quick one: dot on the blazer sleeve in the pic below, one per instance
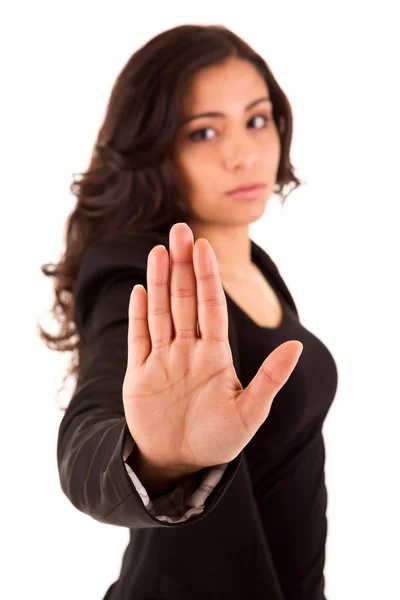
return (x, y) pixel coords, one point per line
(187, 498)
(93, 435)
(185, 501)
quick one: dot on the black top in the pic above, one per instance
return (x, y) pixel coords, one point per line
(263, 530)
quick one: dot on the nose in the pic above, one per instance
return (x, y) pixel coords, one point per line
(240, 151)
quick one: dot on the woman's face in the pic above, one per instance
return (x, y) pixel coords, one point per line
(215, 154)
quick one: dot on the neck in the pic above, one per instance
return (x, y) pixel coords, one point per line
(231, 245)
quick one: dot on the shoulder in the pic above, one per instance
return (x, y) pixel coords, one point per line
(271, 270)
(110, 260)
(127, 251)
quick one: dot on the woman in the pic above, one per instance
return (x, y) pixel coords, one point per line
(172, 430)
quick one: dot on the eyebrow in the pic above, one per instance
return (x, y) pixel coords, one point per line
(219, 114)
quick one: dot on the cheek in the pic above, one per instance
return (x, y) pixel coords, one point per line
(270, 151)
(276, 141)
(196, 170)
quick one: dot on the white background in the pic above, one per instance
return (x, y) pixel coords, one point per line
(335, 243)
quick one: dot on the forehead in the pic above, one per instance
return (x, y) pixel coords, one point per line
(232, 82)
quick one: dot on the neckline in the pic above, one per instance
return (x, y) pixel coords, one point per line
(256, 258)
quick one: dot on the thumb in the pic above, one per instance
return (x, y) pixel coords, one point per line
(255, 401)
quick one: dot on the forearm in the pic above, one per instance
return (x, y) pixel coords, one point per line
(88, 449)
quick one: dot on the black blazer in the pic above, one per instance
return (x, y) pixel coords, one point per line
(221, 553)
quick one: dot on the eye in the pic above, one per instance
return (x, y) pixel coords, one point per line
(265, 117)
(192, 136)
(196, 135)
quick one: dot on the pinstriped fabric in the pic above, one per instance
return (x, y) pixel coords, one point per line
(185, 501)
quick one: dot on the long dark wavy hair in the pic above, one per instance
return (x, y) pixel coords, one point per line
(130, 185)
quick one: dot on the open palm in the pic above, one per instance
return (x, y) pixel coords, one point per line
(184, 404)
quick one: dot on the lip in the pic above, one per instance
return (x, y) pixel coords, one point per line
(247, 193)
(252, 187)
